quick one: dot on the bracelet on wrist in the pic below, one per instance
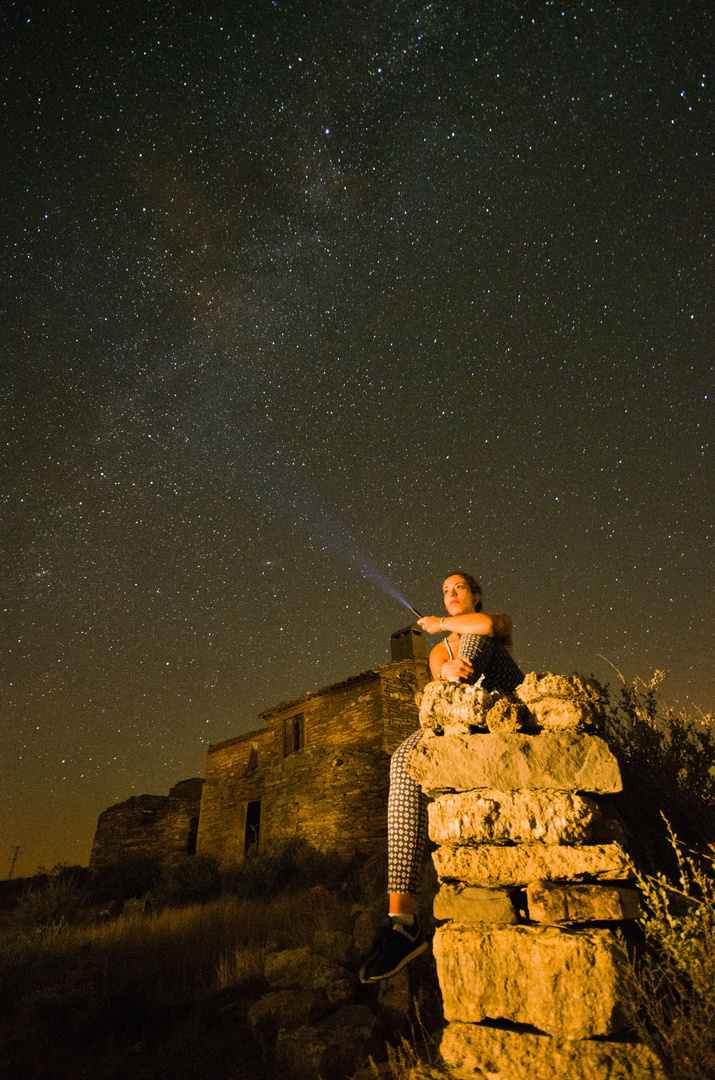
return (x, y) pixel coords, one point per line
(441, 622)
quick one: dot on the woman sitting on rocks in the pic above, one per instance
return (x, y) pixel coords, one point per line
(478, 647)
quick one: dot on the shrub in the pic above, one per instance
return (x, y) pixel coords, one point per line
(187, 879)
(289, 867)
(59, 900)
(673, 982)
(124, 881)
(667, 756)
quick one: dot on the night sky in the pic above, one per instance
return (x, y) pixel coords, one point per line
(302, 294)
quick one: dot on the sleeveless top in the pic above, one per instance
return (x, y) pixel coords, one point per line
(492, 662)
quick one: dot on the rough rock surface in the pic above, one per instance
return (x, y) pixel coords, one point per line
(560, 702)
(445, 705)
(474, 1051)
(508, 715)
(490, 865)
(541, 684)
(566, 761)
(283, 1009)
(552, 903)
(367, 922)
(553, 817)
(336, 946)
(333, 1048)
(520, 840)
(468, 904)
(566, 984)
(302, 968)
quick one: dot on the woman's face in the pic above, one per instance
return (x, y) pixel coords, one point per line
(458, 597)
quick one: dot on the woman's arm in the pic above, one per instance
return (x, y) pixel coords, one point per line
(455, 670)
(476, 622)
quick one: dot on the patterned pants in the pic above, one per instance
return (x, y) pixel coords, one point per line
(406, 824)
(406, 804)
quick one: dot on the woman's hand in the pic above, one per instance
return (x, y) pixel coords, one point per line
(456, 670)
(431, 624)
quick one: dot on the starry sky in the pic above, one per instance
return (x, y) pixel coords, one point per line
(304, 301)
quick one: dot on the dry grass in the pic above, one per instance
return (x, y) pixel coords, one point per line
(672, 986)
(176, 951)
(403, 1064)
(145, 979)
(414, 1058)
(240, 967)
(666, 757)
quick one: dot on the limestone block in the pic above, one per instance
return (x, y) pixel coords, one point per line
(564, 760)
(468, 904)
(445, 705)
(490, 865)
(539, 684)
(552, 903)
(553, 817)
(560, 702)
(508, 716)
(564, 983)
(472, 1051)
(333, 1048)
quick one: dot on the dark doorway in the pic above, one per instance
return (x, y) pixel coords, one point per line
(193, 833)
(253, 824)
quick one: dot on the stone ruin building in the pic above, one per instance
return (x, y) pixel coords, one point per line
(149, 828)
(318, 768)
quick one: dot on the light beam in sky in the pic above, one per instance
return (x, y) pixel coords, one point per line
(257, 461)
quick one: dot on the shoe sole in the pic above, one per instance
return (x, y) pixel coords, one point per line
(388, 974)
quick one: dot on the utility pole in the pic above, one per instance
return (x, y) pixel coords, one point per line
(12, 864)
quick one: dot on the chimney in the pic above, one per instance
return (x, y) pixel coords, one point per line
(408, 644)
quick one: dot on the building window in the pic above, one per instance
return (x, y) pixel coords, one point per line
(293, 734)
(253, 825)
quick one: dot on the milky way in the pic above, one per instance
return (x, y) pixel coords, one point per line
(308, 299)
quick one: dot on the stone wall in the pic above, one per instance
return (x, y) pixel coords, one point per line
(235, 774)
(148, 827)
(535, 880)
(330, 789)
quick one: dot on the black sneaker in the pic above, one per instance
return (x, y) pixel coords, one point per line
(395, 945)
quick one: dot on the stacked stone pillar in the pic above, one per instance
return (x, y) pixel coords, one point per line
(534, 882)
